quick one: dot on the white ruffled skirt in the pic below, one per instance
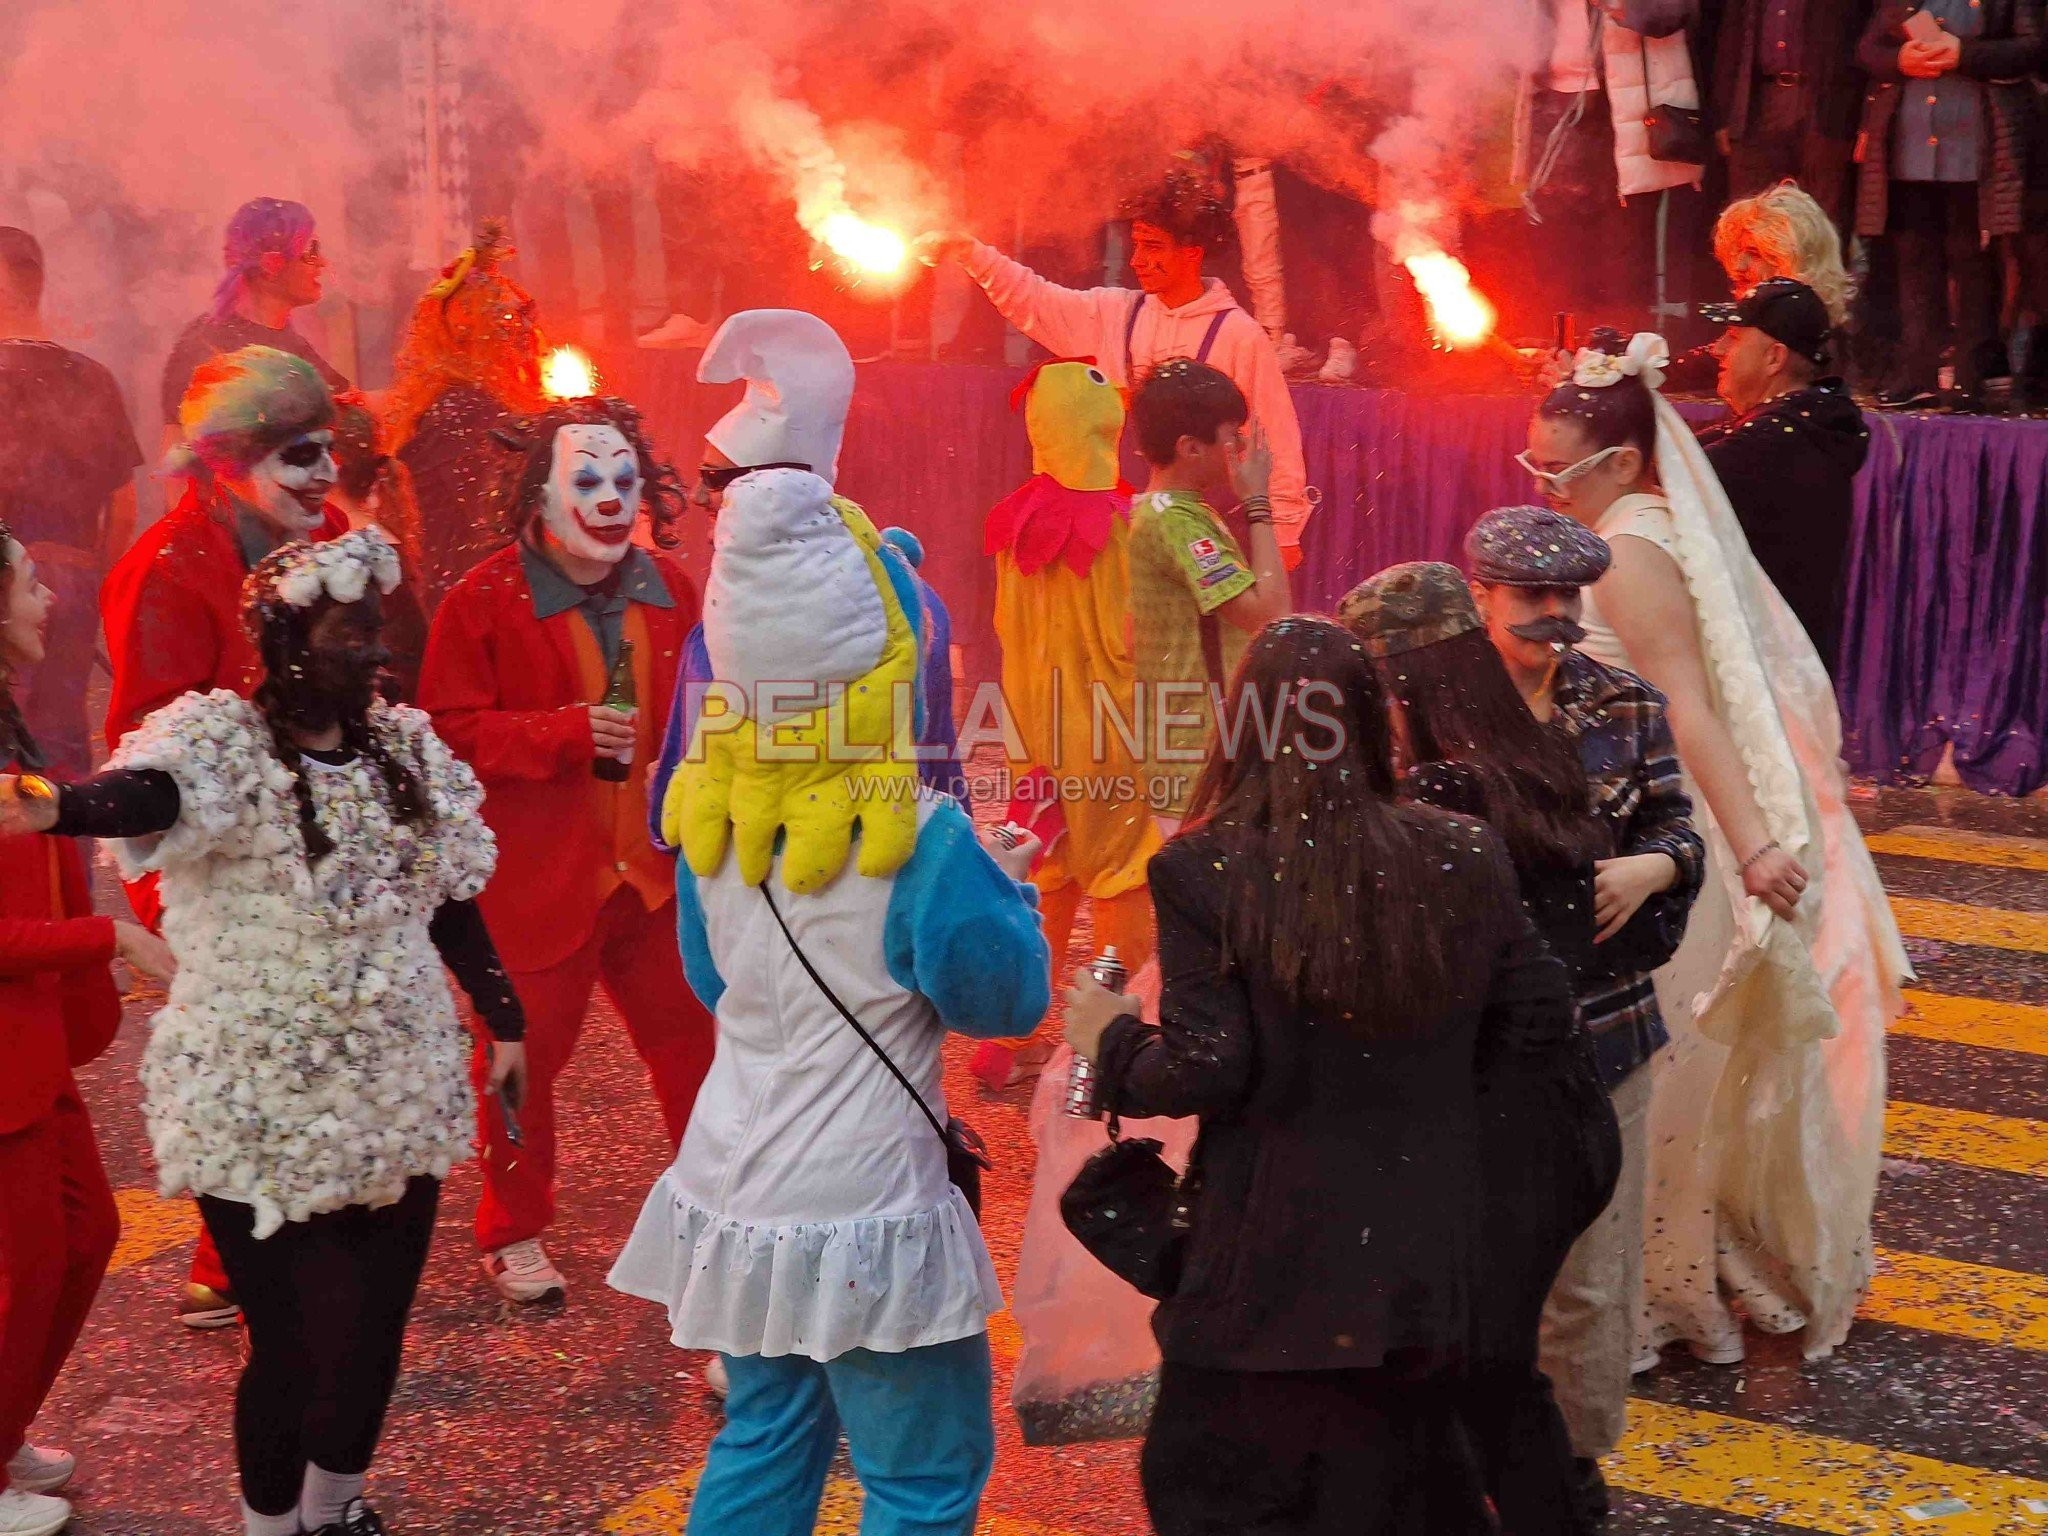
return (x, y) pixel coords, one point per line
(817, 1289)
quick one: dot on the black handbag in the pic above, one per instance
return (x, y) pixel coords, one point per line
(966, 1153)
(1132, 1213)
(1677, 134)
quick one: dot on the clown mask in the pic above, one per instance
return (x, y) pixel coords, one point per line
(288, 489)
(592, 497)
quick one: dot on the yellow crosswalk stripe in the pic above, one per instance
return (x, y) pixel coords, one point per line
(1963, 1301)
(1958, 847)
(1951, 922)
(663, 1511)
(1999, 1142)
(1974, 1021)
(1815, 1482)
(149, 1225)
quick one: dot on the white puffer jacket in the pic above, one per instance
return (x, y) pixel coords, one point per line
(1643, 72)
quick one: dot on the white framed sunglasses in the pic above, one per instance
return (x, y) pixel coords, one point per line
(1555, 480)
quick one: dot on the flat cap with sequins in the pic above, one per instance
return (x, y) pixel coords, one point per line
(1535, 547)
(1406, 607)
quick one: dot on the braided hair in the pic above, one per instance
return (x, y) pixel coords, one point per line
(662, 494)
(283, 636)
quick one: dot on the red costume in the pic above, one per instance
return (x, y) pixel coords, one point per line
(58, 1009)
(580, 894)
(172, 608)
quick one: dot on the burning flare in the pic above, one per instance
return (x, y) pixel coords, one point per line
(1461, 316)
(568, 374)
(868, 249)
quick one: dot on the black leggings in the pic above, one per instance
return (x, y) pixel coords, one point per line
(326, 1302)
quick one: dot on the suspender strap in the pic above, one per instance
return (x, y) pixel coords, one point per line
(1131, 337)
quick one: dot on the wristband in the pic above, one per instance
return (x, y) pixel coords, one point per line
(1259, 519)
(1770, 847)
(1252, 505)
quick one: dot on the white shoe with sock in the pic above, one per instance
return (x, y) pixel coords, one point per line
(32, 1514)
(523, 1272)
(286, 1524)
(325, 1496)
(38, 1469)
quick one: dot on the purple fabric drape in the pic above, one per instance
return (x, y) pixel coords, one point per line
(1946, 636)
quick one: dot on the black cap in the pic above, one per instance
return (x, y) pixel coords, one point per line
(1784, 309)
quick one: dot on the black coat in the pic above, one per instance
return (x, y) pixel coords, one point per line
(1789, 468)
(1831, 95)
(1339, 1207)
(2003, 60)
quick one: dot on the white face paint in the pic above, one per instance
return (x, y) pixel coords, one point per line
(289, 489)
(592, 497)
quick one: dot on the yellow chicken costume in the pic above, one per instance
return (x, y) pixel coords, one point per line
(1063, 616)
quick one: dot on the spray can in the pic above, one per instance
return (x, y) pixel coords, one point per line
(1108, 970)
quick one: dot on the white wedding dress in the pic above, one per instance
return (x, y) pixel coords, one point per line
(1767, 1113)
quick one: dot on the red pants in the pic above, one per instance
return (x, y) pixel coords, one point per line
(633, 952)
(58, 1227)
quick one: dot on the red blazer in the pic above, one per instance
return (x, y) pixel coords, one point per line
(505, 692)
(172, 607)
(58, 1005)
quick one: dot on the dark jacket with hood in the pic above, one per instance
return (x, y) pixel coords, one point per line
(1789, 468)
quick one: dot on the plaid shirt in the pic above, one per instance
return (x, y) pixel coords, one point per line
(1617, 722)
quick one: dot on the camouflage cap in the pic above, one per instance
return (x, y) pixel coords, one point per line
(1406, 607)
(1535, 547)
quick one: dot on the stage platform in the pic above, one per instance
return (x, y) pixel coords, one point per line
(1946, 644)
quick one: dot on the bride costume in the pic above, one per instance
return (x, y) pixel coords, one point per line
(1767, 1114)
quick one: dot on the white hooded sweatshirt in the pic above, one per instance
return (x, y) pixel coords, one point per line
(1094, 322)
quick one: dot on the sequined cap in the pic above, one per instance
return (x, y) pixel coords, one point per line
(1535, 547)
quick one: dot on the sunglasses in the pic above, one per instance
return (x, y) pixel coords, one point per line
(1555, 480)
(716, 477)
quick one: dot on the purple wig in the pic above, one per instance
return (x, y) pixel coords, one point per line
(260, 226)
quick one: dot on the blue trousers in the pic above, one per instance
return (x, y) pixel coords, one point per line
(918, 1424)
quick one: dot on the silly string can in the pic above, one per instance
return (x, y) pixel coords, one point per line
(1108, 970)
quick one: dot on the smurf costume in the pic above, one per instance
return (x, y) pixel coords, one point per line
(799, 379)
(807, 1229)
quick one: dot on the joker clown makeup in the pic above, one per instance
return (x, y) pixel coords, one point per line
(592, 498)
(288, 489)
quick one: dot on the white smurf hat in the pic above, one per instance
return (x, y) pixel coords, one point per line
(799, 379)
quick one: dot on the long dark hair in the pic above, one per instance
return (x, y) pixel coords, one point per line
(16, 745)
(1460, 706)
(1348, 919)
(284, 641)
(662, 492)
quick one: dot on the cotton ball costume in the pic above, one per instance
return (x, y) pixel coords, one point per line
(807, 1229)
(1063, 616)
(309, 1057)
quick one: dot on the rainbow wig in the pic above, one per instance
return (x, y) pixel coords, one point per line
(242, 406)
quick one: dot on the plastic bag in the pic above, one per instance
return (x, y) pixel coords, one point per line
(1089, 1368)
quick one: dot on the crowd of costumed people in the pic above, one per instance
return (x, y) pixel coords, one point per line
(1491, 988)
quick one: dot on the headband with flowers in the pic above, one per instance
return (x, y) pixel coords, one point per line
(1646, 358)
(299, 575)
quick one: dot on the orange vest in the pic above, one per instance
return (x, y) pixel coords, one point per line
(623, 807)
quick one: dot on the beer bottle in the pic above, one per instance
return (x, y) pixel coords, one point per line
(619, 694)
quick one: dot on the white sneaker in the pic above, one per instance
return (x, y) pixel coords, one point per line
(37, 1469)
(523, 1273)
(32, 1514)
(1342, 366)
(1295, 359)
(678, 333)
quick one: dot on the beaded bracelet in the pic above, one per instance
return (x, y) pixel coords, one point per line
(1770, 847)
